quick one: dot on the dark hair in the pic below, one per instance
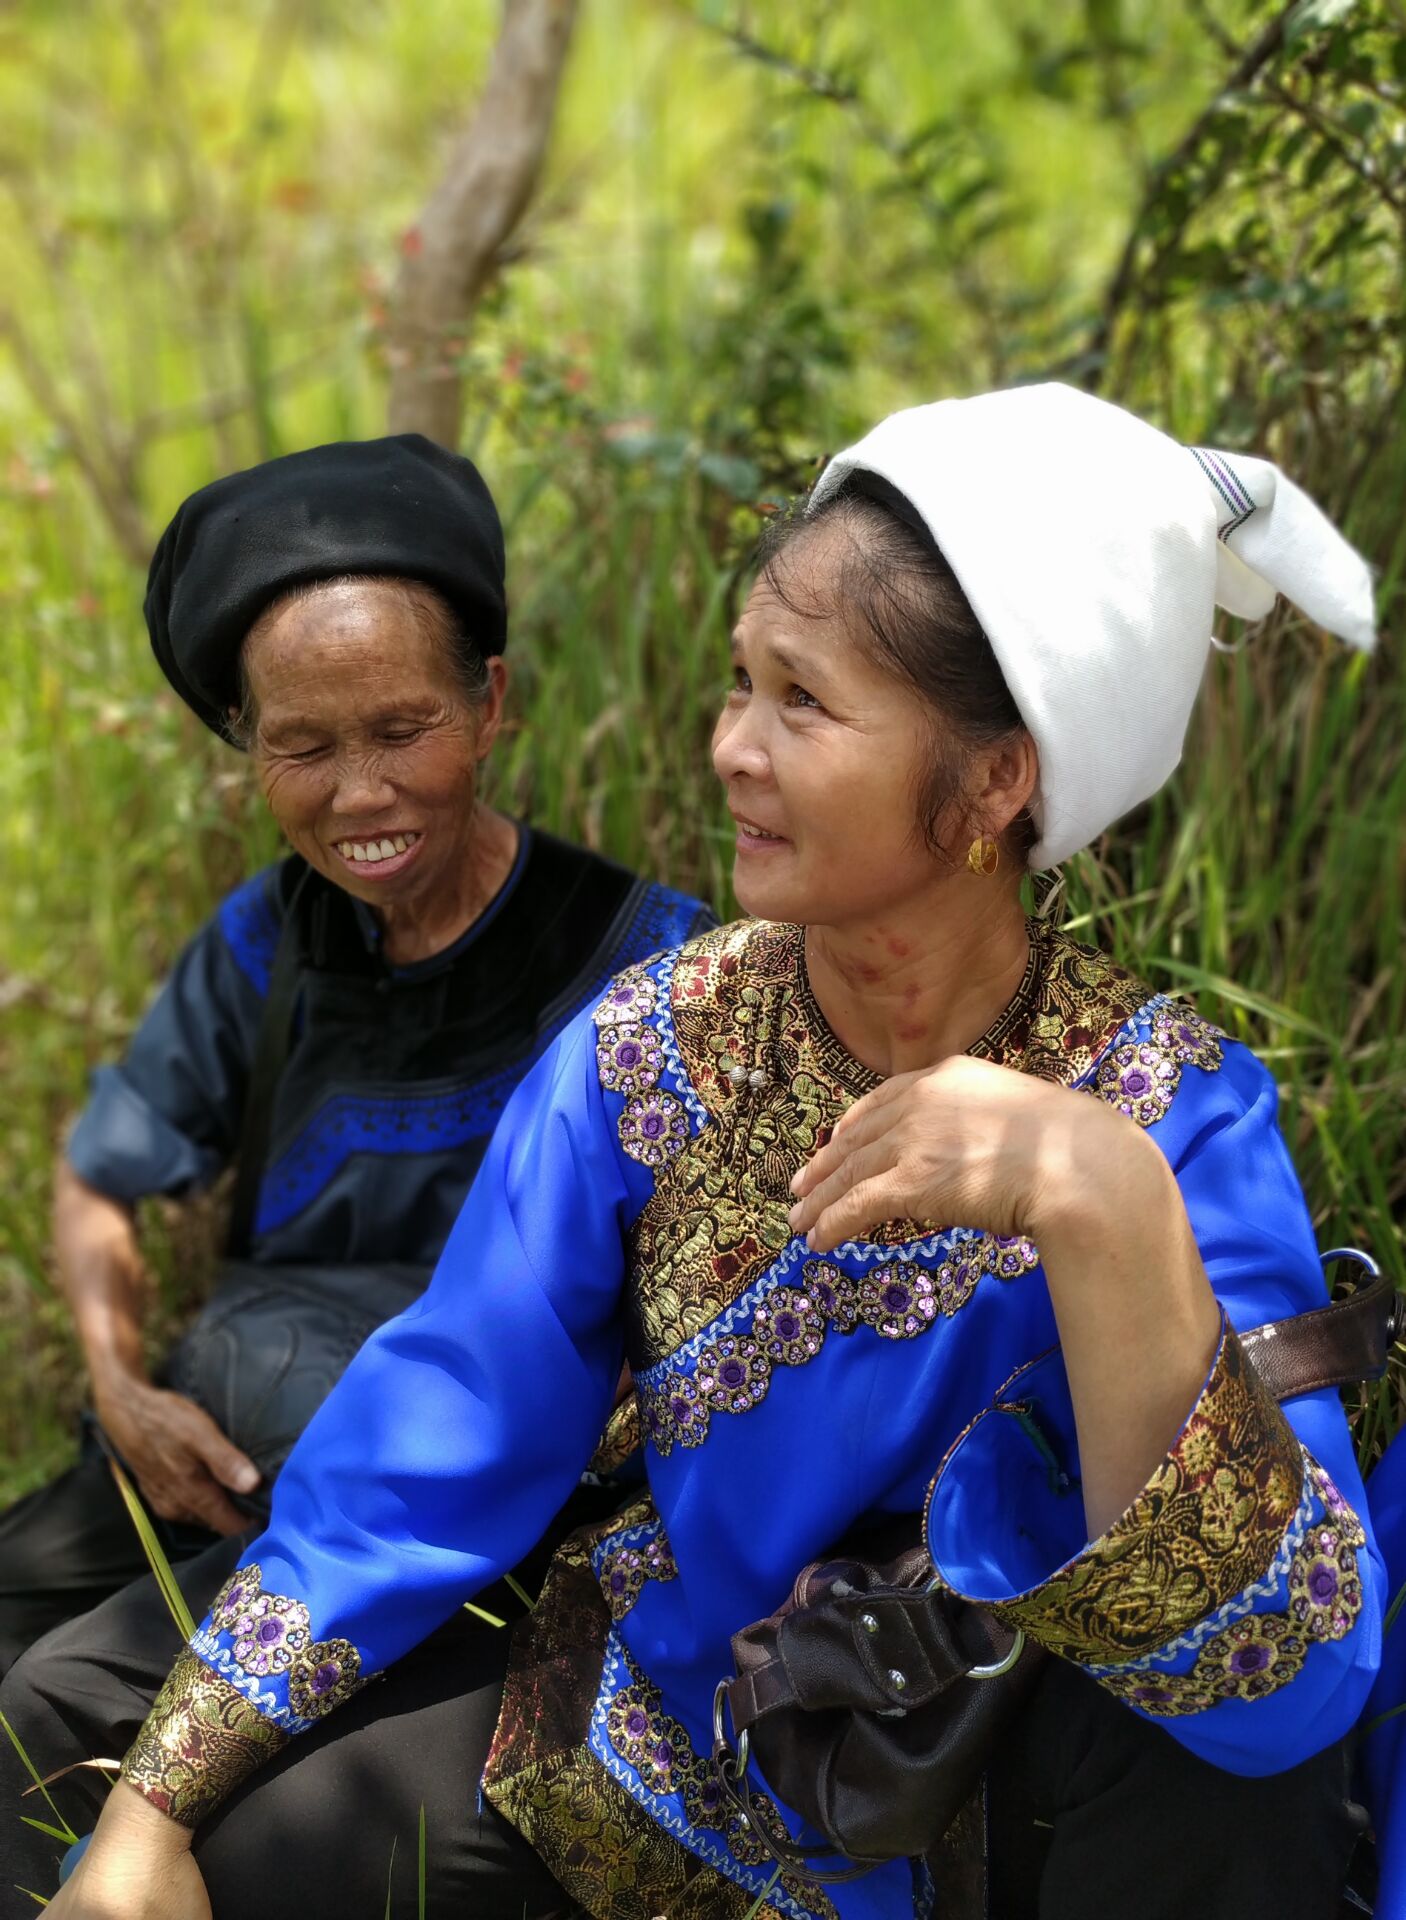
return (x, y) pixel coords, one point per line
(903, 602)
(431, 612)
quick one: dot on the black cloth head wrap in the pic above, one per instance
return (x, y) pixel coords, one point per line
(400, 506)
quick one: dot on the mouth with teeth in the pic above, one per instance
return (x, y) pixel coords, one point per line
(386, 854)
(754, 839)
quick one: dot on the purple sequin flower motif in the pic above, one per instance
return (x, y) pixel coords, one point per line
(1188, 1039)
(789, 1327)
(625, 1569)
(632, 997)
(1325, 1590)
(268, 1633)
(733, 1374)
(898, 1300)
(648, 1739)
(1338, 1512)
(323, 1677)
(653, 1128)
(1255, 1657)
(1010, 1257)
(629, 1058)
(1139, 1079)
(833, 1294)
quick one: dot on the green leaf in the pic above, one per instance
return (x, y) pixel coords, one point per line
(42, 1826)
(732, 472)
(1316, 16)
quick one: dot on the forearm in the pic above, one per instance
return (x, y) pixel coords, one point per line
(102, 1275)
(1138, 1322)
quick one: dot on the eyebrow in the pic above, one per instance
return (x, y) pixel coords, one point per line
(786, 660)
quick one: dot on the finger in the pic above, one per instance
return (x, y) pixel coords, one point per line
(853, 1214)
(871, 1125)
(877, 1098)
(219, 1454)
(864, 1163)
(207, 1503)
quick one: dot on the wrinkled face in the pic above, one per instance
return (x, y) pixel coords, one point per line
(822, 754)
(365, 745)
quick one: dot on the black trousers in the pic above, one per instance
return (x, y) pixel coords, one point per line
(69, 1545)
(1091, 1812)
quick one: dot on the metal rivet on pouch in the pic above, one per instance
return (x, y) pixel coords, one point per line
(898, 1681)
(869, 1623)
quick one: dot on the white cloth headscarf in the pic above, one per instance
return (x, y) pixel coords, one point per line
(1094, 551)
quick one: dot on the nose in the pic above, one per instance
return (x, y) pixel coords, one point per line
(739, 746)
(362, 787)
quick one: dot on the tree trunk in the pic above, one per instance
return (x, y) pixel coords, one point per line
(449, 256)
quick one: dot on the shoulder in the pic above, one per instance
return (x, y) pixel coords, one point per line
(250, 919)
(1138, 1048)
(706, 969)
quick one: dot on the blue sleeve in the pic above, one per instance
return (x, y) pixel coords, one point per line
(1238, 1601)
(168, 1118)
(461, 1426)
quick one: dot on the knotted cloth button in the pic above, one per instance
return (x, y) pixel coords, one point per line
(756, 1078)
(737, 1075)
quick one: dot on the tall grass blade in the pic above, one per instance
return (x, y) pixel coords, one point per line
(151, 1547)
(761, 1898)
(68, 1835)
(422, 1864)
(520, 1590)
(482, 1613)
(390, 1876)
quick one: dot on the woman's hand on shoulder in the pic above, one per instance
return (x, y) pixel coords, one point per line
(137, 1866)
(965, 1143)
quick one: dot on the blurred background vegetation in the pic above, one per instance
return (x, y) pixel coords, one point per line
(762, 223)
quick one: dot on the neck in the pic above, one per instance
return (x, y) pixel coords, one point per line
(427, 923)
(907, 989)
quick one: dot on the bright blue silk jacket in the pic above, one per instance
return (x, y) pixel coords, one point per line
(633, 1202)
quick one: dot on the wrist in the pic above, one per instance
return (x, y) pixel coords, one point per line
(1104, 1182)
(129, 1816)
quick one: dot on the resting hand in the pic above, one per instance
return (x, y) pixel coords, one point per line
(964, 1143)
(182, 1462)
(137, 1866)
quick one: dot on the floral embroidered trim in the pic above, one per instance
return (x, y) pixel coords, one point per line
(625, 1564)
(629, 1057)
(1208, 1523)
(631, 998)
(1336, 1509)
(656, 1749)
(1264, 1652)
(1268, 1587)
(1253, 1658)
(1140, 1077)
(653, 1128)
(256, 1636)
(200, 1741)
(898, 1300)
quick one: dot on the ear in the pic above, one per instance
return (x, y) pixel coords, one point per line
(488, 714)
(1003, 780)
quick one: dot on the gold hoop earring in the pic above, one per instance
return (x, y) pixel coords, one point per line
(983, 856)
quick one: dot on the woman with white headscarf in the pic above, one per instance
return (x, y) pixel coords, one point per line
(845, 1181)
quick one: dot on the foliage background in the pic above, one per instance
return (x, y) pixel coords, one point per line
(763, 225)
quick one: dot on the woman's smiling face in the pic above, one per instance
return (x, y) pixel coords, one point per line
(366, 744)
(822, 754)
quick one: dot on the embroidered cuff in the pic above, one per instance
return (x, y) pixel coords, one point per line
(198, 1743)
(1004, 1509)
(262, 1643)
